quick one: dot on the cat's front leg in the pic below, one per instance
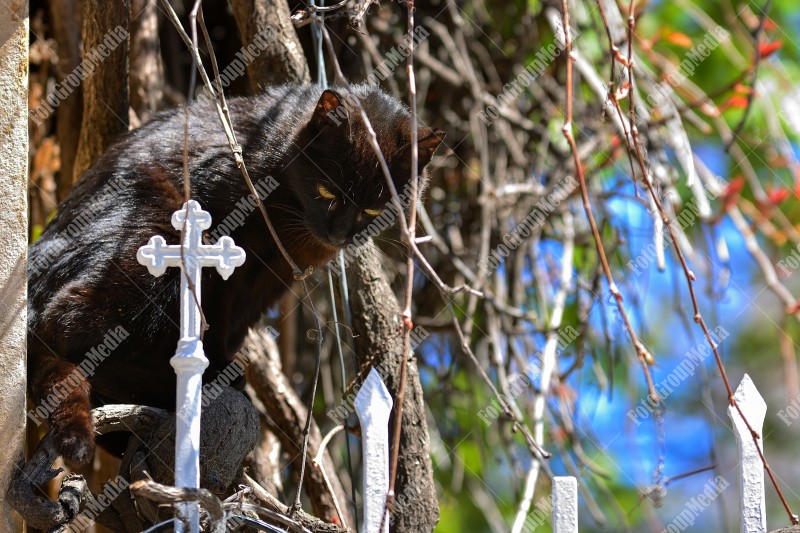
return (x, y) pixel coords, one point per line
(64, 393)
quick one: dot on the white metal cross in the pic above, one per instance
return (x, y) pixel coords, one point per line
(373, 407)
(189, 361)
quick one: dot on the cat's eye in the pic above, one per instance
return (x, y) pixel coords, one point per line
(372, 212)
(325, 193)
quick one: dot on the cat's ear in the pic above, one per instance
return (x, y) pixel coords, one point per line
(428, 140)
(330, 112)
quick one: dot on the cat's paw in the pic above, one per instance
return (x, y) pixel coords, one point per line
(75, 442)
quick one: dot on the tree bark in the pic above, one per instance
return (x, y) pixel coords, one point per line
(65, 17)
(282, 61)
(146, 82)
(287, 412)
(378, 331)
(105, 93)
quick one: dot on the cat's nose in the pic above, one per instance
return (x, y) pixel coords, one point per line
(336, 238)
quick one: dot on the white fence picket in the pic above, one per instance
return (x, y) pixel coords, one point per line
(565, 504)
(373, 407)
(751, 469)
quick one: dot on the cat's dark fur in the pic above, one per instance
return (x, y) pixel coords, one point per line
(83, 287)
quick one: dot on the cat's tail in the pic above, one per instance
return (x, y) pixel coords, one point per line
(62, 396)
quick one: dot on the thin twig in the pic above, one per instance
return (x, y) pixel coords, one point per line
(757, 56)
(644, 356)
(409, 236)
(690, 277)
(445, 290)
(549, 366)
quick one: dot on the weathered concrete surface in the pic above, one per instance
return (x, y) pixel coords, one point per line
(13, 242)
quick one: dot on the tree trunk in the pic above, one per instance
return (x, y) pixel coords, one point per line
(378, 332)
(146, 82)
(105, 92)
(282, 61)
(65, 17)
(286, 410)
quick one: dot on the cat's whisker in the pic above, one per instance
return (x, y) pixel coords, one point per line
(397, 244)
(295, 237)
(341, 170)
(342, 179)
(287, 209)
(295, 224)
(381, 256)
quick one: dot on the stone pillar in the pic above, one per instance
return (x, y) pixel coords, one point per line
(13, 243)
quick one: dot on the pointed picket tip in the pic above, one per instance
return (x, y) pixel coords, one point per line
(373, 395)
(750, 402)
(373, 406)
(752, 501)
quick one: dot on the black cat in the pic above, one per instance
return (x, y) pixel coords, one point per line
(86, 286)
